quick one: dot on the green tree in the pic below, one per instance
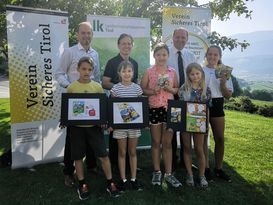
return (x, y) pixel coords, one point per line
(262, 95)
(247, 92)
(77, 9)
(237, 90)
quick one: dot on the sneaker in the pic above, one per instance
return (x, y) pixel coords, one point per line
(112, 190)
(83, 192)
(203, 182)
(172, 180)
(122, 186)
(69, 180)
(222, 175)
(189, 180)
(208, 174)
(136, 185)
(156, 180)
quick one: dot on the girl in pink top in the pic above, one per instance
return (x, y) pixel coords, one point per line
(160, 83)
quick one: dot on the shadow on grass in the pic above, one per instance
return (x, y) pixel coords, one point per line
(5, 139)
(44, 185)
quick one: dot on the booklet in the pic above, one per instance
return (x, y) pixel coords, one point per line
(222, 70)
(128, 112)
(163, 79)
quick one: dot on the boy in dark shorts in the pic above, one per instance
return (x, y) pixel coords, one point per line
(88, 134)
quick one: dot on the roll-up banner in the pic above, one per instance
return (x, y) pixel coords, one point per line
(36, 39)
(196, 20)
(107, 29)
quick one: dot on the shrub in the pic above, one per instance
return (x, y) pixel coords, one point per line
(247, 105)
(266, 111)
(242, 103)
(232, 104)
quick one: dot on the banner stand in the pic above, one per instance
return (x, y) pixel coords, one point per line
(36, 40)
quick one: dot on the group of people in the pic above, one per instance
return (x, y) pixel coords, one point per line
(175, 75)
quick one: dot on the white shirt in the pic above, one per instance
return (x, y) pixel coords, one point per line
(67, 71)
(187, 56)
(214, 84)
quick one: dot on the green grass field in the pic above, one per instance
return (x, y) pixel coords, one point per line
(5, 142)
(261, 85)
(248, 158)
(262, 103)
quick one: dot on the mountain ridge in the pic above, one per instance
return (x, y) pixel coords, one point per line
(256, 62)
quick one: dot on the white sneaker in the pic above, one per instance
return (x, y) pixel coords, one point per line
(189, 180)
(203, 182)
(172, 180)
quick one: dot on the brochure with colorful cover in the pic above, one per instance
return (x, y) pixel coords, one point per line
(127, 112)
(196, 118)
(78, 108)
(163, 79)
(176, 114)
(222, 70)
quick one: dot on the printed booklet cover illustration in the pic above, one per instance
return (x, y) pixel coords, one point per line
(128, 112)
(163, 79)
(83, 109)
(196, 118)
(176, 114)
(223, 70)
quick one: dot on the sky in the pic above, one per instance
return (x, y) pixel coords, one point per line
(261, 19)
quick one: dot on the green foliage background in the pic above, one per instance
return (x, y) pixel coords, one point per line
(78, 9)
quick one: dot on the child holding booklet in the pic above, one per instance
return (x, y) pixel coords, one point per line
(195, 90)
(160, 84)
(93, 135)
(221, 87)
(127, 137)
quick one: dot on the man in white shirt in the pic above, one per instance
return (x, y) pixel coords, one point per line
(178, 50)
(66, 74)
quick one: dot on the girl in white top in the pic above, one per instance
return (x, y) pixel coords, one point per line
(220, 88)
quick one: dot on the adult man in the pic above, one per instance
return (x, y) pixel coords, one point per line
(179, 59)
(66, 74)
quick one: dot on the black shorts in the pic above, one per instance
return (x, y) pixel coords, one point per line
(80, 136)
(157, 115)
(217, 108)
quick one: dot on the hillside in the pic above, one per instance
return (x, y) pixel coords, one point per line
(255, 64)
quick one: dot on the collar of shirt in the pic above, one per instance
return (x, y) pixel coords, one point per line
(120, 57)
(175, 50)
(80, 47)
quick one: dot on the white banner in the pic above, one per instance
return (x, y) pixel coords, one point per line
(36, 39)
(196, 20)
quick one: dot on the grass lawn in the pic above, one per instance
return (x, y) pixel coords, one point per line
(248, 158)
(262, 103)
